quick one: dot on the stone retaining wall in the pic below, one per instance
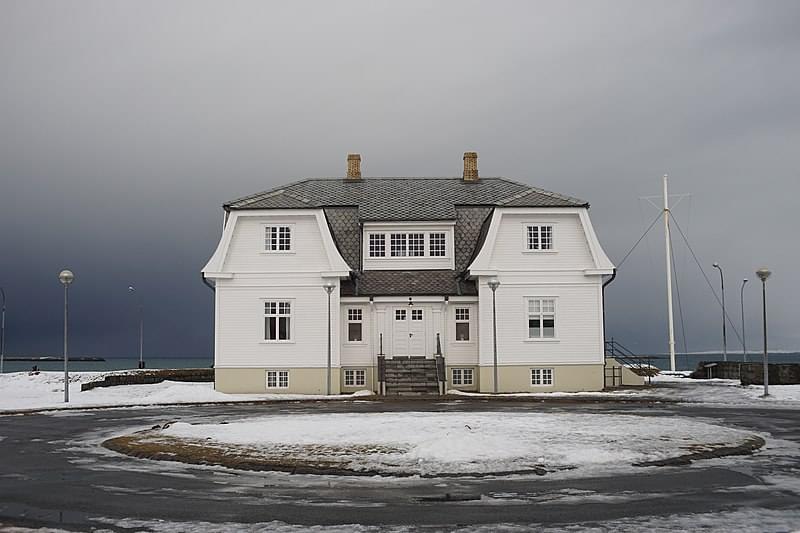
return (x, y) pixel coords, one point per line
(749, 373)
(141, 377)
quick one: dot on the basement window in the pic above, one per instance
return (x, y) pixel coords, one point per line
(355, 378)
(462, 376)
(277, 379)
(542, 377)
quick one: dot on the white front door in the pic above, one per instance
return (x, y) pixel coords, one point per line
(408, 330)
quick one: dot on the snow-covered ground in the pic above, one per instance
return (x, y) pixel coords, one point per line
(463, 442)
(24, 391)
(45, 390)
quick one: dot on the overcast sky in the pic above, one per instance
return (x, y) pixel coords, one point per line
(125, 125)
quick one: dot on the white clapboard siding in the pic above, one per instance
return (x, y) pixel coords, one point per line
(246, 250)
(460, 352)
(578, 324)
(571, 250)
(240, 325)
(357, 353)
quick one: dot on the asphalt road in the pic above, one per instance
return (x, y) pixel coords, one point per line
(54, 473)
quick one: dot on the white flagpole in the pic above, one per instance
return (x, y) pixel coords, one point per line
(669, 277)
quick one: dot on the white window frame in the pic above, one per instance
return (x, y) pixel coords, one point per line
(402, 245)
(278, 315)
(379, 245)
(279, 373)
(462, 320)
(355, 373)
(415, 244)
(458, 376)
(551, 250)
(439, 245)
(351, 320)
(541, 314)
(539, 377)
(267, 226)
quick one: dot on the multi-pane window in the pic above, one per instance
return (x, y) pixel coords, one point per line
(397, 243)
(354, 325)
(399, 314)
(436, 245)
(540, 237)
(541, 318)
(416, 314)
(462, 323)
(355, 378)
(462, 376)
(277, 379)
(541, 376)
(416, 244)
(277, 238)
(377, 245)
(277, 320)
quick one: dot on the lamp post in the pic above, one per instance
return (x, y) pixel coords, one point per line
(2, 330)
(132, 290)
(763, 273)
(329, 286)
(66, 277)
(744, 343)
(724, 332)
(493, 284)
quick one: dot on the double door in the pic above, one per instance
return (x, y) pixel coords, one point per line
(408, 330)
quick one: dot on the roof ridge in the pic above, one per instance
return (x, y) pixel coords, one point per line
(532, 189)
(269, 193)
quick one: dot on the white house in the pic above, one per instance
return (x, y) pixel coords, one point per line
(409, 263)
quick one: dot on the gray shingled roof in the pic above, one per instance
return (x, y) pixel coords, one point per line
(404, 199)
(347, 203)
(408, 283)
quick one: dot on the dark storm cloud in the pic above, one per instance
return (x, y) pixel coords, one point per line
(124, 126)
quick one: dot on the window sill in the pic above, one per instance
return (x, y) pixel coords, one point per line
(277, 252)
(355, 343)
(463, 342)
(539, 251)
(277, 388)
(542, 340)
(541, 386)
(277, 342)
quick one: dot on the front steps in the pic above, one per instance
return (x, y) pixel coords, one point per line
(411, 376)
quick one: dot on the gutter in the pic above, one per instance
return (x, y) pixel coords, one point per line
(605, 284)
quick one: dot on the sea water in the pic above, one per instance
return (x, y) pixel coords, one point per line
(110, 364)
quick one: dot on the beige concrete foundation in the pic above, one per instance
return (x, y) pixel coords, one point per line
(476, 378)
(566, 378)
(254, 381)
(371, 376)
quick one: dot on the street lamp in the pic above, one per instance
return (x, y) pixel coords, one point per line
(744, 337)
(329, 286)
(132, 290)
(763, 273)
(66, 277)
(493, 284)
(724, 333)
(2, 330)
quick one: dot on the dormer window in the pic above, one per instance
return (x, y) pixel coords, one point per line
(436, 245)
(377, 245)
(398, 244)
(539, 237)
(277, 238)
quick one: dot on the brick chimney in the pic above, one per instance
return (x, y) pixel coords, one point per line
(354, 166)
(470, 166)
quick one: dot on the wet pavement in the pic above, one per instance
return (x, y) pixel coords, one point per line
(53, 472)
